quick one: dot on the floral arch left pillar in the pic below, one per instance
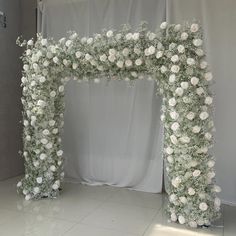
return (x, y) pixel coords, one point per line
(43, 107)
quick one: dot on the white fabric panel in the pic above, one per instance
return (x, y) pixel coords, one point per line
(112, 131)
(218, 20)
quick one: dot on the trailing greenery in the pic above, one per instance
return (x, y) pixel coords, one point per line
(174, 58)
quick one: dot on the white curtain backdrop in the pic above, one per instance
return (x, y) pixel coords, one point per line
(112, 131)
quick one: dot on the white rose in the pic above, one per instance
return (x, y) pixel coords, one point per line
(125, 52)
(173, 139)
(78, 54)
(197, 42)
(183, 200)
(196, 129)
(30, 42)
(181, 49)
(89, 40)
(190, 116)
(42, 79)
(163, 25)
(55, 131)
(128, 63)
(196, 173)
(75, 65)
(173, 217)
(27, 197)
(211, 174)
(179, 91)
(135, 36)
(112, 51)
(127, 79)
(159, 54)
(44, 141)
(88, 57)
(129, 36)
(217, 202)
(55, 186)
(28, 138)
(19, 184)
(172, 197)
(181, 220)
(172, 102)
(194, 81)
(134, 74)
(203, 64)
(49, 146)
(44, 42)
(68, 43)
(52, 122)
(175, 126)
(200, 91)
(41, 103)
(175, 69)
(184, 36)
(103, 57)
(61, 88)
(53, 168)
(137, 51)
(59, 153)
(175, 58)
(118, 36)
(185, 139)
(109, 33)
(203, 115)
(151, 50)
(28, 52)
(169, 150)
(46, 132)
(208, 76)
(36, 163)
(46, 63)
(191, 191)
(176, 181)
(39, 180)
(174, 115)
(36, 190)
(55, 60)
(216, 188)
(172, 78)
(208, 100)
(190, 61)
(138, 62)
(170, 159)
(194, 27)
(199, 52)
(192, 224)
(184, 85)
(111, 58)
(163, 69)
(172, 46)
(177, 27)
(211, 163)
(203, 206)
(120, 64)
(26, 122)
(151, 36)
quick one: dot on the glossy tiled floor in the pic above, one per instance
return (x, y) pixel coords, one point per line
(96, 211)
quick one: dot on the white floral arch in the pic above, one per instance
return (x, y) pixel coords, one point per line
(174, 58)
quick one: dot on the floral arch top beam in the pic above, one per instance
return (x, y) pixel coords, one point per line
(174, 58)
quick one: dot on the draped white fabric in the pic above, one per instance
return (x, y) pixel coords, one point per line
(112, 131)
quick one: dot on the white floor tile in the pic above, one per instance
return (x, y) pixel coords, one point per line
(161, 227)
(229, 220)
(130, 219)
(85, 230)
(24, 224)
(137, 198)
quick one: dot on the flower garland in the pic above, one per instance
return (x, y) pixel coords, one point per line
(174, 58)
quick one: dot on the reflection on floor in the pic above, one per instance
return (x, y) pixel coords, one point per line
(96, 211)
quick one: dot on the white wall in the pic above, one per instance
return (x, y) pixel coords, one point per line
(10, 91)
(218, 19)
